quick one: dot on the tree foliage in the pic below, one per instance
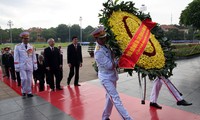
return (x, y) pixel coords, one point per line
(62, 32)
(191, 15)
(87, 33)
(49, 33)
(174, 34)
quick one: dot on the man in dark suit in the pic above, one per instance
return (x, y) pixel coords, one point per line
(74, 60)
(8, 62)
(53, 64)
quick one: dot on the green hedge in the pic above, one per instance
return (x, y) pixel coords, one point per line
(186, 50)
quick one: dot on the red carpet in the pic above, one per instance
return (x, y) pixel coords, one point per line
(87, 102)
(13, 84)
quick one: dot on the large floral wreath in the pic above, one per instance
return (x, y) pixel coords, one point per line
(161, 63)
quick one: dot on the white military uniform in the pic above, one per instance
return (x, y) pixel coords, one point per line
(25, 62)
(157, 86)
(108, 76)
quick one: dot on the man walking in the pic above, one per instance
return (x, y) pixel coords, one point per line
(74, 60)
(1, 64)
(53, 64)
(8, 62)
(108, 75)
(25, 62)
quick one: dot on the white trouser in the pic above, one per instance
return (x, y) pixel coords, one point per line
(157, 84)
(112, 97)
(26, 81)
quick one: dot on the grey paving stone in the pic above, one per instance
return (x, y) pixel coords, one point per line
(48, 110)
(6, 100)
(30, 102)
(186, 78)
(60, 116)
(30, 109)
(8, 107)
(28, 114)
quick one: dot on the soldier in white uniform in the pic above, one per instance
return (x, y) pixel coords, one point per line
(156, 89)
(108, 75)
(25, 62)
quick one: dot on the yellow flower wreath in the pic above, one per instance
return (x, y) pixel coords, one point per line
(156, 61)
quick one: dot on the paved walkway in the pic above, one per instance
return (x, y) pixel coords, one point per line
(86, 102)
(6, 92)
(86, 71)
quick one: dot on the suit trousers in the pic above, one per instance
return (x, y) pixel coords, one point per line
(51, 74)
(10, 71)
(40, 77)
(18, 78)
(26, 81)
(47, 77)
(71, 74)
(112, 97)
(157, 84)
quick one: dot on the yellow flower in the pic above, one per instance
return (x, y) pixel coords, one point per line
(117, 23)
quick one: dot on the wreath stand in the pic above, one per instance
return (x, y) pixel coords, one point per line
(142, 80)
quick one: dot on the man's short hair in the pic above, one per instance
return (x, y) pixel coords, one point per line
(74, 37)
(50, 39)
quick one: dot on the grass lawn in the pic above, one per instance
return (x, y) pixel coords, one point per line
(181, 50)
(36, 45)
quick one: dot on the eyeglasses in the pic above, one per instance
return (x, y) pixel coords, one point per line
(26, 38)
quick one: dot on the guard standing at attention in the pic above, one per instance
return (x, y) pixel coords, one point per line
(25, 62)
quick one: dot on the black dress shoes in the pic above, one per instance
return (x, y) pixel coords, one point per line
(184, 103)
(77, 85)
(68, 83)
(23, 95)
(52, 90)
(29, 95)
(59, 88)
(155, 105)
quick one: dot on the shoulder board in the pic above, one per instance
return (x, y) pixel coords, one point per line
(98, 47)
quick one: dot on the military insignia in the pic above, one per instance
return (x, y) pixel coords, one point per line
(29, 52)
(97, 47)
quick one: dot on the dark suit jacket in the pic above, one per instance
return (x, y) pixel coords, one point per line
(52, 59)
(8, 60)
(74, 56)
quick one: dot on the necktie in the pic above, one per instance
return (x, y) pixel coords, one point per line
(75, 47)
(52, 49)
(26, 46)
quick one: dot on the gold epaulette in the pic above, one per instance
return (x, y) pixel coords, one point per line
(18, 44)
(98, 47)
